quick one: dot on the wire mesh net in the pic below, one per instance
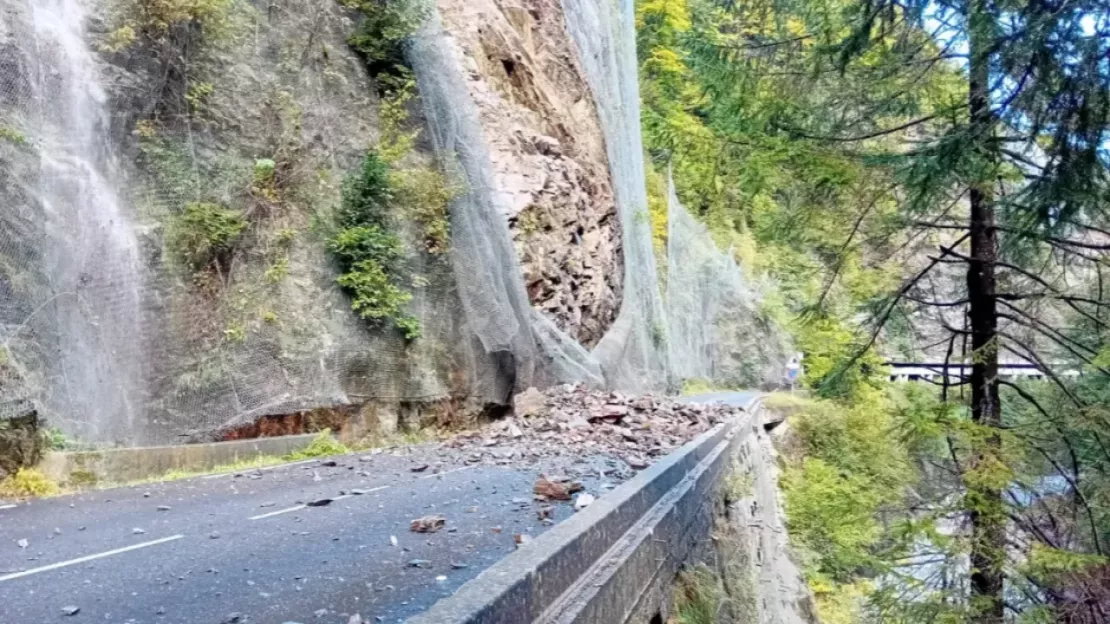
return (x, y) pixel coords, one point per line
(633, 354)
(101, 325)
(118, 340)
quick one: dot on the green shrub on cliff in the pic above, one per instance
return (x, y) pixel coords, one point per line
(204, 235)
(380, 36)
(370, 255)
(157, 20)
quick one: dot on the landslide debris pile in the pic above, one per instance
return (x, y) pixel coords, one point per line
(573, 420)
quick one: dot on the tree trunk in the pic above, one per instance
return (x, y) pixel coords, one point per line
(984, 496)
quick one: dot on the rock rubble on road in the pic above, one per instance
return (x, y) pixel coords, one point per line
(573, 420)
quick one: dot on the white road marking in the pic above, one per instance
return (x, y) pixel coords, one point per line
(300, 507)
(278, 512)
(8, 506)
(55, 566)
(440, 474)
(227, 474)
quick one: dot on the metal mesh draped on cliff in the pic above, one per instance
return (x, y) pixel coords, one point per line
(102, 325)
(519, 348)
(69, 297)
(710, 306)
(633, 353)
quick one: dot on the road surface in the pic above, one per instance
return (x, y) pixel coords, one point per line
(250, 547)
(734, 398)
(246, 547)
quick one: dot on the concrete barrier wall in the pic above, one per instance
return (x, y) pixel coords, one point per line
(614, 562)
(134, 464)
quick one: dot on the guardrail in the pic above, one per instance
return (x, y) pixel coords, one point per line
(614, 562)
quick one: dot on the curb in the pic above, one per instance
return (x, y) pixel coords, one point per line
(133, 464)
(604, 565)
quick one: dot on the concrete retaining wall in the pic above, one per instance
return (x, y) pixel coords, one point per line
(614, 562)
(133, 464)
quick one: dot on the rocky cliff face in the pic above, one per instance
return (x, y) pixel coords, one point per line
(548, 155)
(170, 181)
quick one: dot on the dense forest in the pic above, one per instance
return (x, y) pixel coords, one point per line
(923, 181)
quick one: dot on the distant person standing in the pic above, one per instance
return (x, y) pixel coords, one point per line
(794, 370)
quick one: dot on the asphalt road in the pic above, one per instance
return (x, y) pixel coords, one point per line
(245, 548)
(732, 398)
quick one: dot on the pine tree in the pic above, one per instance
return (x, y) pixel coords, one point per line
(1025, 153)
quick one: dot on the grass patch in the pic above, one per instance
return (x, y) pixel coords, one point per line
(323, 445)
(737, 486)
(786, 403)
(259, 461)
(28, 482)
(697, 598)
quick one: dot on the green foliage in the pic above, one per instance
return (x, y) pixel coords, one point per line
(381, 33)
(12, 135)
(277, 271)
(844, 464)
(697, 597)
(323, 445)
(370, 255)
(197, 95)
(832, 516)
(158, 20)
(366, 195)
(56, 439)
(376, 297)
(205, 235)
(423, 194)
(28, 482)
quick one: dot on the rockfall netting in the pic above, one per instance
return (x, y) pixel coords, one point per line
(518, 346)
(108, 331)
(718, 333)
(102, 326)
(633, 353)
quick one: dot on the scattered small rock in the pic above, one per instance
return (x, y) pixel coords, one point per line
(355, 619)
(393, 540)
(420, 468)
(232, 618)
(213, 535)
(428, 524)
(521, 539)
(555, 488)
(320, 502)
(22, 543)
(71, 610)
(137, 531)
(529, 403)
(163, 508)
(267, 504)
(330, 463)
(459, 566)
(420, 563)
